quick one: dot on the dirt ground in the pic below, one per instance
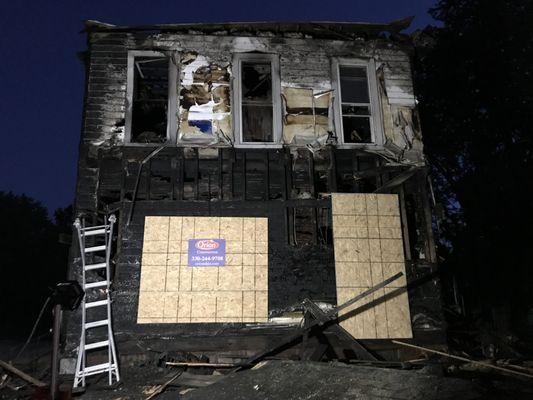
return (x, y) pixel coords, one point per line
(311, 380)
(297, 380)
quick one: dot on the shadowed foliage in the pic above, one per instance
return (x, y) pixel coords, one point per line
(33, 260)
(474, 79)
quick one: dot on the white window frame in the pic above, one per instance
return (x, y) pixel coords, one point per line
(172, 113)
(237, 99)
(376, 119)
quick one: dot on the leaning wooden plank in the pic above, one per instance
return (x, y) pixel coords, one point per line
(199, 364)
(397, 180)
(22, 375)
(187, 379)
(197, 381)
(162, 387)
(329, 316)
(484, 364)
(335, 310)
(338, 332)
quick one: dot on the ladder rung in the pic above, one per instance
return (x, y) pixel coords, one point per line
(97, 345)
(97, 303)
(95, 248)
(99, 371)
(93, 285)
(90, 267)
(96, 324)
(88, 228)
(96, 369)
(93, 232)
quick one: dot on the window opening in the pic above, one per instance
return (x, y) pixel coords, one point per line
(355, 104)
(150, 100)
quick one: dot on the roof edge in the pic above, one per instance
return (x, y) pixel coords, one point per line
(340, 28)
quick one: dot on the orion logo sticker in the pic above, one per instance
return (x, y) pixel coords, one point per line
(207, 253)
(207, 244)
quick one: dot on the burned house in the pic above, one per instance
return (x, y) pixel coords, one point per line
(290, 153)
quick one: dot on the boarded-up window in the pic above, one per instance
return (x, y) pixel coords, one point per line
(369, 249)
(172, 291)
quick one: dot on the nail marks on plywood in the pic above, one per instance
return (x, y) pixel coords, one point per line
(368, 249)
(173, 292)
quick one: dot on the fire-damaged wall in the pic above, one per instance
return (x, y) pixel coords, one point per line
(202, 171)
(204, 64)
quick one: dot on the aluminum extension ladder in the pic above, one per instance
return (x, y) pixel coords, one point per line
(97, 295)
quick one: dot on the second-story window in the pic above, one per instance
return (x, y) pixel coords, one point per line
(151, 94)
(358, 117)
(257, 100)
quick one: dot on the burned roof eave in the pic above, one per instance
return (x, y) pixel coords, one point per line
(328, 29)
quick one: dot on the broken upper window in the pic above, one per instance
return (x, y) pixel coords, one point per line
(257, 108)
(355, 104)
(149, 80)
(258, 95)
(357, 112)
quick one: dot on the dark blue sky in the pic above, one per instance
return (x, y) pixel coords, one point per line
(42, 81)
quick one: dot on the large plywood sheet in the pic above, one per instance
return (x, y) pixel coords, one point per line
(173, 292)
(368, 245)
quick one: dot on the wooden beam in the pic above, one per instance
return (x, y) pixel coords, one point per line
(162, 387)
(196, 174)
(484, 364)
(266, 175)
(329, 316)
(220, 174)
(332, 171)
(196, 380)
(180, 174)
(397, 180)
(22, 375)
(336, 331)
(200, 364)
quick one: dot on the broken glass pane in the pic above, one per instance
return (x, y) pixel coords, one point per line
(256, 81)
(150, 100)
(354, 84)
(355, 110)
(257, 123)
(356, 129)
(203, 126)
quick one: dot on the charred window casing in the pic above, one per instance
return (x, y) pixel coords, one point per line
(151, 94)
(358, 111)
(257, 108)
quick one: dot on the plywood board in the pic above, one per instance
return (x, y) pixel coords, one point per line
(367, 238)
(171, 291)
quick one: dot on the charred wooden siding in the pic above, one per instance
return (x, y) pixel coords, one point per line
(289, 185)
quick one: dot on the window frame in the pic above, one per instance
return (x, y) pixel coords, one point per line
(238, 59)
(376, 121)
(172, 101)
